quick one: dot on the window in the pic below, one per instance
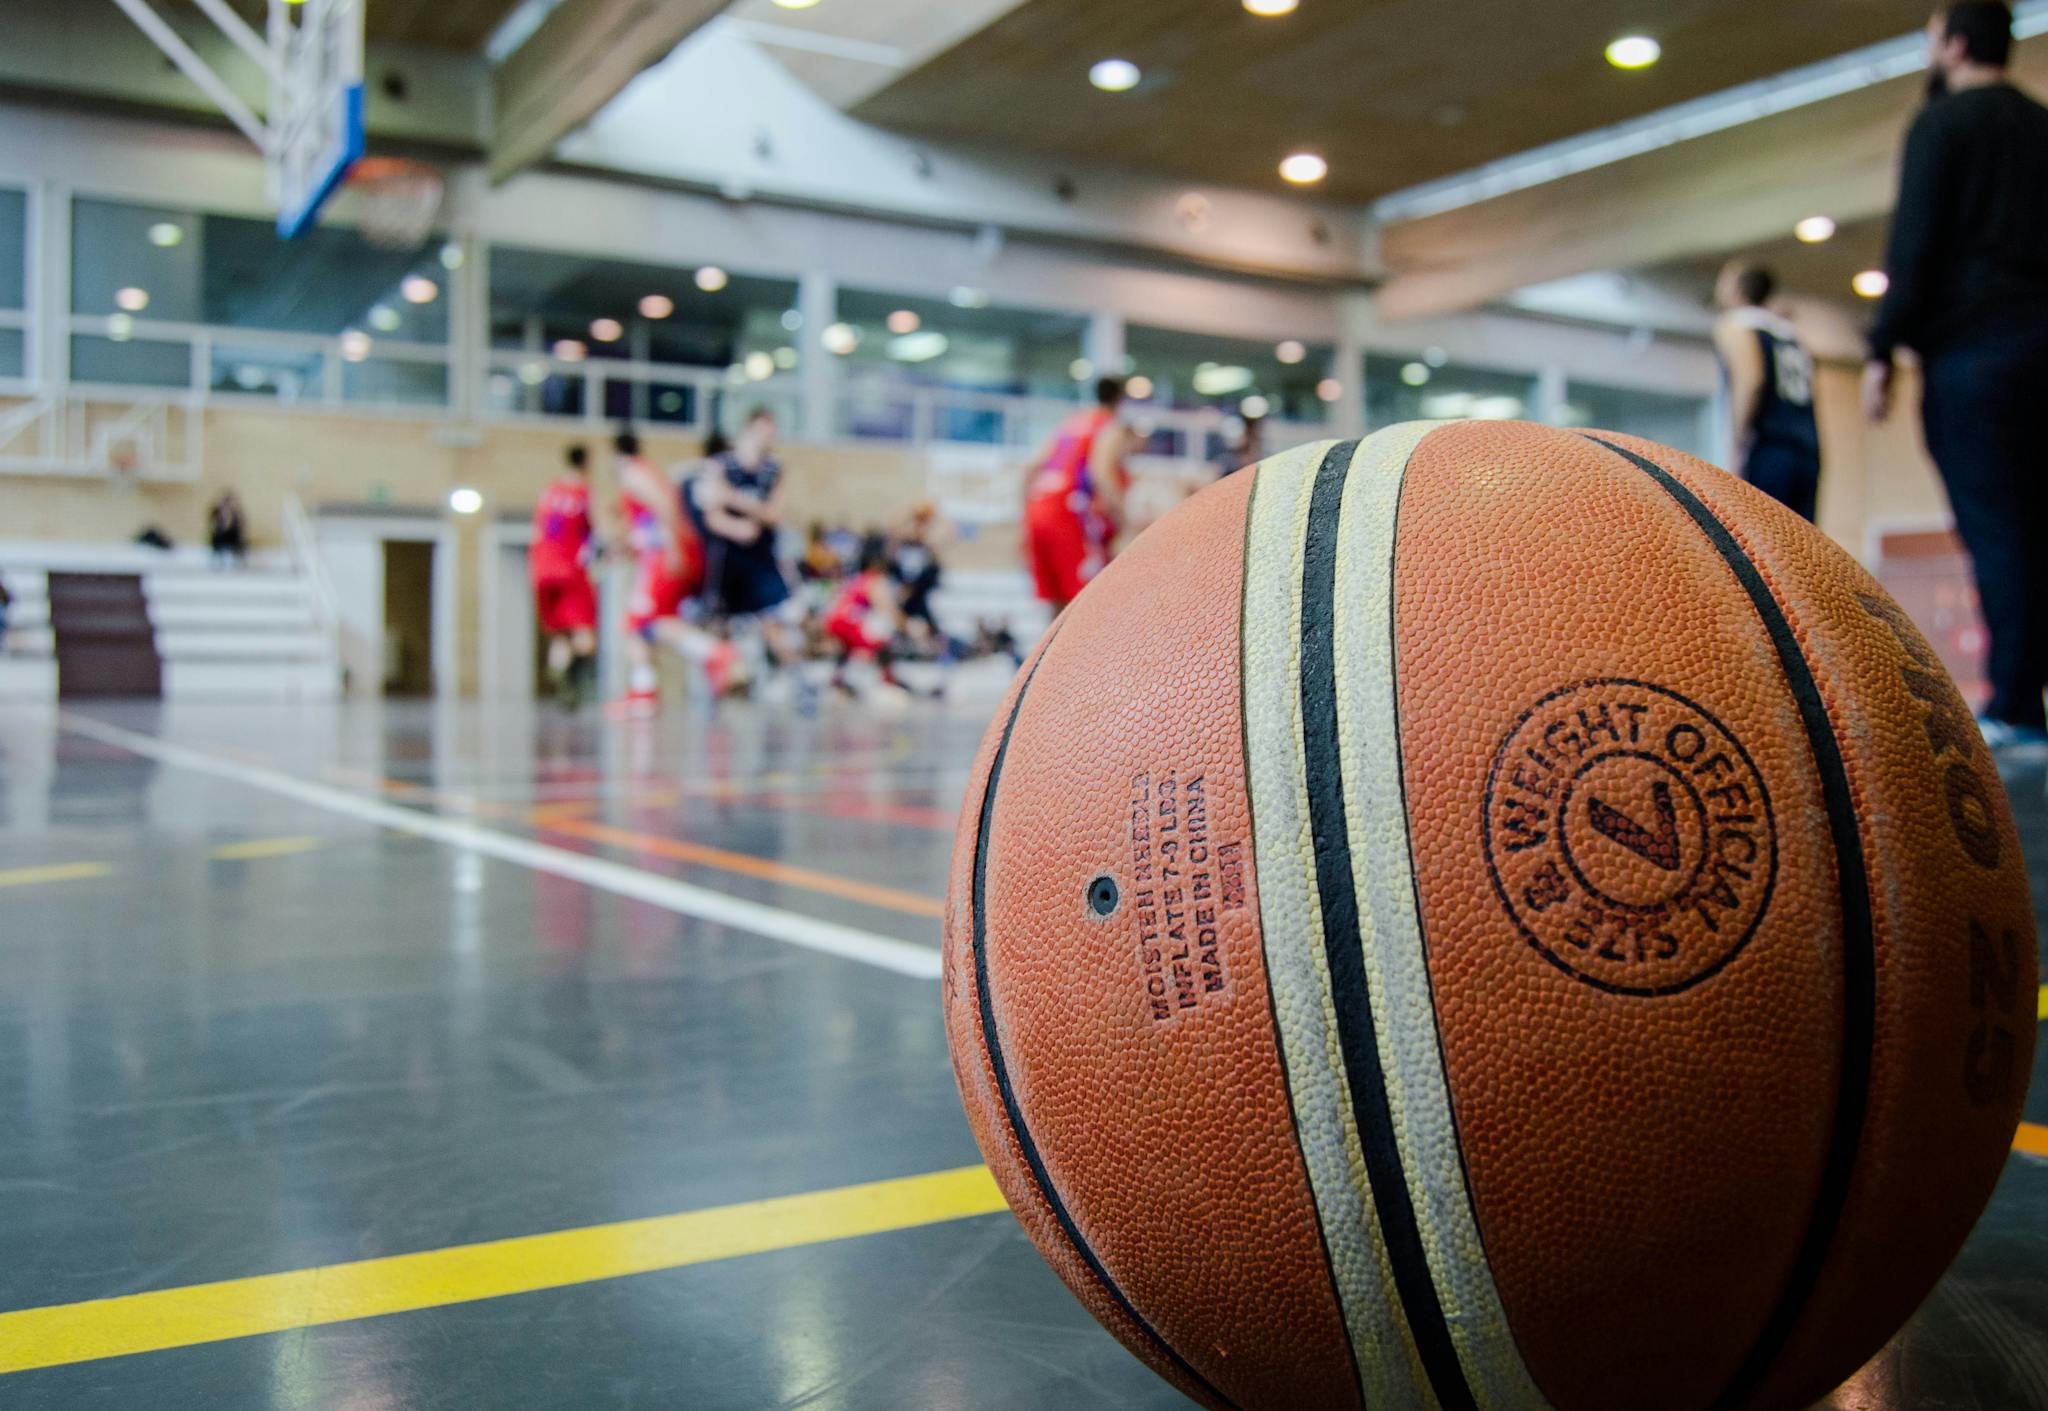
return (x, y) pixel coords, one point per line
(169, 297)
(1427, 388)
(1672, 419)
(13, 283)
(1287, 379)
(567, 329)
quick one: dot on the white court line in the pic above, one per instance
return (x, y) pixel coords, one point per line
(828, 937)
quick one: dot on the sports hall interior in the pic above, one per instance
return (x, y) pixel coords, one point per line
(379, 1034)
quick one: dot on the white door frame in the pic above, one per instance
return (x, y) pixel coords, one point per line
(498, 536)
(413, 529)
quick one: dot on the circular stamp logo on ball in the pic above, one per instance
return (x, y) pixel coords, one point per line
(1629, 835)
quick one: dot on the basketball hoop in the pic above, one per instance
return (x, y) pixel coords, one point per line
(395, 201)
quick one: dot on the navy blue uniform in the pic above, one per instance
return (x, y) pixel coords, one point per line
(1780, 449)
(743, 579)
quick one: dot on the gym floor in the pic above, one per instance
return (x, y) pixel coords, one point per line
(395, 1057)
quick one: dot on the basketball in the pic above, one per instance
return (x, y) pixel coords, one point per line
(1490, 916)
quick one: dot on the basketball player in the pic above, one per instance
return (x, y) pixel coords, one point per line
(1968, 266)
(864, 617)
(564, 602)
(668, 571)
(1770, 390)
(1074, 501)
(737, 502)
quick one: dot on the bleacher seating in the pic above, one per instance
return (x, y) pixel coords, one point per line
(241, 633)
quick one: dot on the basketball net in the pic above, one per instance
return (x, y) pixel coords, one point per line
(395, 201)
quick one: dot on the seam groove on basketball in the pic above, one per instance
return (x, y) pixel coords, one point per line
(1391, 939)
(993, 1048)
(1291, 937)
(1859, 945)
(1264, 478)
(1357, 1033)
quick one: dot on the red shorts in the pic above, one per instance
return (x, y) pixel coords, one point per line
(1062, 557)
(855, 634)
(658, 593)
(565, 602)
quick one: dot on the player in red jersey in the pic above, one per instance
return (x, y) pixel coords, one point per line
(669, 572)
(1074, 502)
(559, 561)
(864, 616)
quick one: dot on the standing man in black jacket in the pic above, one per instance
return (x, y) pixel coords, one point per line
(1968, 268)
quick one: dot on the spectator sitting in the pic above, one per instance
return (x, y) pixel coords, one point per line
(225, 532)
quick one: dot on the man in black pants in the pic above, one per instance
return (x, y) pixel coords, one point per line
(1968, 265)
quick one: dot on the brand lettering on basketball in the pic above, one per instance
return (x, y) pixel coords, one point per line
(1952, 737)
(1629, 836)
(1175, 866)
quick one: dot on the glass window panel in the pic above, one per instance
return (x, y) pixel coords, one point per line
(260, 370)
(1672, 419)
(13, 250)
(1196, 370)
(135, 362)
(388, 381)
(235, 272)
(1408, 389)
(13, 353)
(621, 310)
(937, 343)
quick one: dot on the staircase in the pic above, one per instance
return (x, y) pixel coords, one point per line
(86, 617)
(100, 635)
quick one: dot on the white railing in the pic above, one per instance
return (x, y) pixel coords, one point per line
(259, 366)
(99, 431)
(305, 551)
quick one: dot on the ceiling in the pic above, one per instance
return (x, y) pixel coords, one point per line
(1393, 92)
(1820, 271)
(439, 24)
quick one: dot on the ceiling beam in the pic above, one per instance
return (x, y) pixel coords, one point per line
(1708, 196)
(576, 62)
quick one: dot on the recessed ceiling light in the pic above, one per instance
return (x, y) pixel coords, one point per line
(1266, 9)
(1634, 51)
(1290, 351)
(166, 233)
(656, 306)
(840, 338)
(418, 289)
(904, 321)
(1303, 168)
(1138, 388)
(1415, 374)
(1871, 283)
(1814, 229)
(1330, 389)
(711, 279)
(1080, 369)
(132, 299)
(570, 350)
(606, 330)
(1254, 407)
(355, 346)
(796, 4)
(759, 366)
(1114, 75)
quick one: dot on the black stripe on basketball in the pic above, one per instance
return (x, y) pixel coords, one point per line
(1272, 995)
(1357, 1035)
(994, 1049)
(1859, 946)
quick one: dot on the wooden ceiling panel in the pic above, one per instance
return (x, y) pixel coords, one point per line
(1393, 92)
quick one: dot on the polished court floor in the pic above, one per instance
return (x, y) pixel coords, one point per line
(319, 1024)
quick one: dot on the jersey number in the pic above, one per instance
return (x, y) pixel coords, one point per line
(1795, 374)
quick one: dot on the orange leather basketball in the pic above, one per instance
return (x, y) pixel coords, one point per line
(1490, 917)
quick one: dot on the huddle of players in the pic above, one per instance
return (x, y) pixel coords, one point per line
(702, 541)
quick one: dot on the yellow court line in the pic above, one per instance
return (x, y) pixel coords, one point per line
(370, 1288)
(2032, 1138)
(54, 872)
(2041, 1004)
(265, 847)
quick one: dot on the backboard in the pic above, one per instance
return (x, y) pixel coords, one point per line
(316, 107)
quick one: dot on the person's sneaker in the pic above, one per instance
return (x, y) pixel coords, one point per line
(2004, 735)
(720, 666)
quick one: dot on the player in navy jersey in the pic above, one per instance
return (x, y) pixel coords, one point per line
(737, 499)
(1770, 390)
